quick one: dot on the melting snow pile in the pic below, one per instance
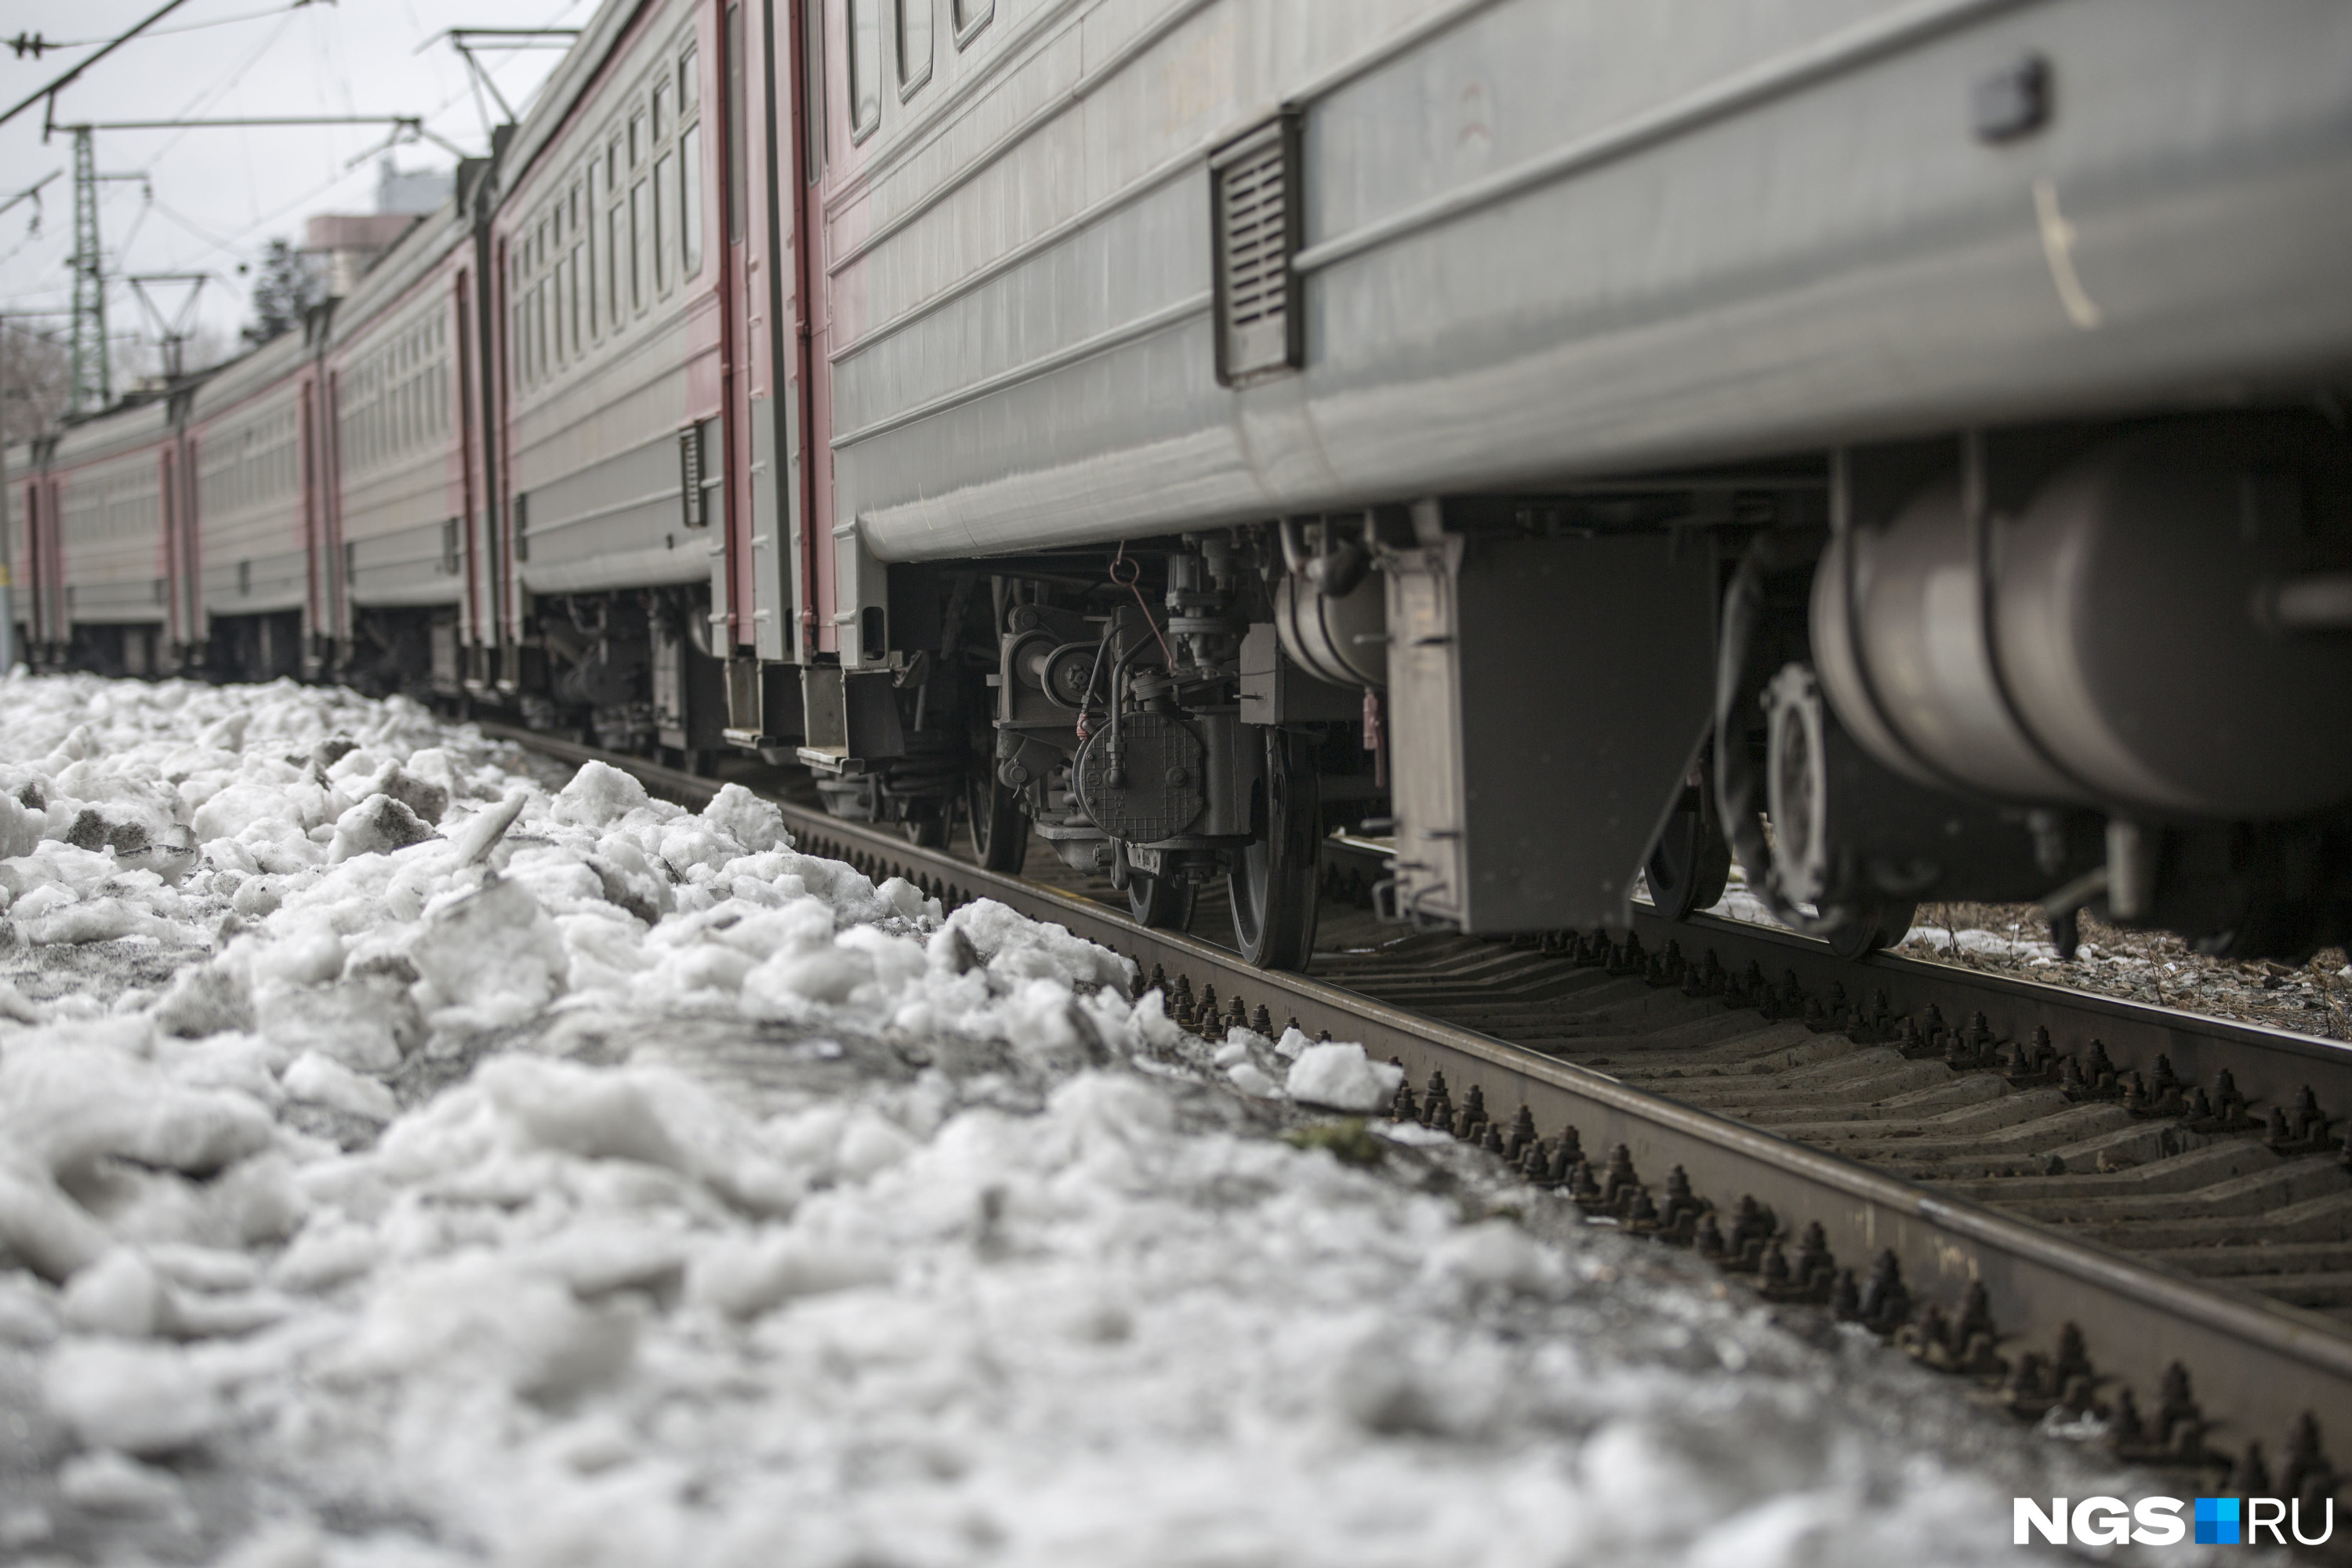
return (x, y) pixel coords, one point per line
(402, 1165)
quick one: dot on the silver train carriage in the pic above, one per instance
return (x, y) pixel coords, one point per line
(1563, 434)
(1558, 437)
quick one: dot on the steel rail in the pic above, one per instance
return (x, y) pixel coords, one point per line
(2271, 1064)
(2257, 1367)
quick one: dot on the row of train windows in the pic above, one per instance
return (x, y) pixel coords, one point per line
(625, 232)
(397, 399)
(247, 468)
(911, 30)
(100, 511)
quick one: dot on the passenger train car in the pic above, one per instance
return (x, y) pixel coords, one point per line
(1901, 445)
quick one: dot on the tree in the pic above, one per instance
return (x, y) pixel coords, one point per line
(35, 380)
(285, 290)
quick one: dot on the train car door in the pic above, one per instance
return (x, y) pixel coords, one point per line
(186, 594)
(53, 629)
(816, 590)
(167, 543)
(465, 328)
(35, 569)
(314, 610)
(751, 588)
(338, 630)
(503, 345)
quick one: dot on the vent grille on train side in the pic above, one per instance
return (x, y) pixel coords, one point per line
(1255, 185)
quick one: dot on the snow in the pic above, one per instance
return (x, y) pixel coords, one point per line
(1342, 1076)
(584, 1180)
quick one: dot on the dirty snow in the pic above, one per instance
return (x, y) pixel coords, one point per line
(402, 1163)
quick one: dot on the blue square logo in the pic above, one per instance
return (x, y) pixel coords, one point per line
(2217, 1521)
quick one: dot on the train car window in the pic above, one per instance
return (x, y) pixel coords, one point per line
(970, 16)
(612, 236)
(661, 110)
(738, 172)
(689, 195)
(637, 139)
(613, 264)
(664, 175)
(589, 275)
(637, 246)
(864, 68)
(914, 19)
(578, 265)
(689, 82)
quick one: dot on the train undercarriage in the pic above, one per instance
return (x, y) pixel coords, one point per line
(2100, 667)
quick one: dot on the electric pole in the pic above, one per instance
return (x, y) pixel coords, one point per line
(93, 378)
(170, 332)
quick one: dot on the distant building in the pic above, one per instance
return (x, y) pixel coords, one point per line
(347, 243)
(411, 190)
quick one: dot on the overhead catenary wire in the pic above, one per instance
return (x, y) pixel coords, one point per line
(31, 193)
(60, 83)
(184, 27)
(208, 97)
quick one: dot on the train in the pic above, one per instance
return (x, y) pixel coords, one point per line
(1898, 445)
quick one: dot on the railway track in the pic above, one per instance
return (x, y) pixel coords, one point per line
(2090, 1209)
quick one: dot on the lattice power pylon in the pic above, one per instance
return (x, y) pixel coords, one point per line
(93, 377)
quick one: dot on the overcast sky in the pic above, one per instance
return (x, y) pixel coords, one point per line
(220, 195)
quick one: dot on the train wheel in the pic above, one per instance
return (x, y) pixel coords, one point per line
(1273, 888)
(1871, 929)
(1689, 866)
(1000, 829)
(1163, 903)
